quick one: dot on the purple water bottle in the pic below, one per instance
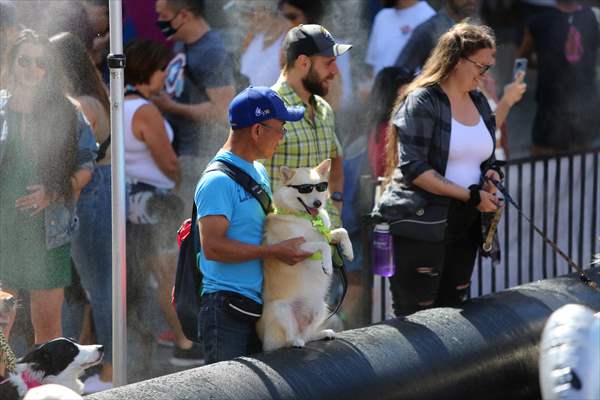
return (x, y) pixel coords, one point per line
(383, 251)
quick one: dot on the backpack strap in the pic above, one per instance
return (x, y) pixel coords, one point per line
(244, 180)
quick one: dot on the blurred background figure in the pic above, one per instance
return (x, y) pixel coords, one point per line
(389, 84)
(69, 16)
(92, 245)
(154, 211)
(424, 38)
(197, 109)
(513, 92)
(97, 15)
(301, 11)
(260, 59)
(565, 40)
(47, 157)
(9, 28)
(392, 28)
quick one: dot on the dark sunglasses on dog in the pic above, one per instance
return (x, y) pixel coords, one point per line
(307, 188)
(25, 61)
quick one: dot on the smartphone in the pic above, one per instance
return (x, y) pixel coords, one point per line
(520, 66)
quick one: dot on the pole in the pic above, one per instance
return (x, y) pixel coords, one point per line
(116, 64)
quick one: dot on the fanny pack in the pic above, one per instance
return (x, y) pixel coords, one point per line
(242, 307)
(413, 214)
(427, 224)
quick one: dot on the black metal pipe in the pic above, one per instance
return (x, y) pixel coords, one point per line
(487, 348)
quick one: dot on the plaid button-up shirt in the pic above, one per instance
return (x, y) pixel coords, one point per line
(308, 142)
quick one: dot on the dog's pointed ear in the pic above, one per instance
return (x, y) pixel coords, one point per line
(286, 173)
(324, 168)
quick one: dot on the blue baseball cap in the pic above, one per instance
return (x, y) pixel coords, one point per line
(256, 104)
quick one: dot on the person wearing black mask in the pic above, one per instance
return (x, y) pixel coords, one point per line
(198, 109)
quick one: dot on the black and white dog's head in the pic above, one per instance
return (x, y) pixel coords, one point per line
(60, 361)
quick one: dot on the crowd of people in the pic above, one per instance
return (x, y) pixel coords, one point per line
(424, 106)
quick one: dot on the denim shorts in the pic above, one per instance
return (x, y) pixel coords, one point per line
(224, 336)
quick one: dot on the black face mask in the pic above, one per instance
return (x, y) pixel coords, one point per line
(166, 28)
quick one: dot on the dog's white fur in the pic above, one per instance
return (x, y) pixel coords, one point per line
(294, 305)
(88, 356)
(51, 392)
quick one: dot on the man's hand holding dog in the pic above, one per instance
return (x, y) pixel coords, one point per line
(289, 251)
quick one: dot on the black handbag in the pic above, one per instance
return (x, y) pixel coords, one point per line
(428, 224)
(412, 213)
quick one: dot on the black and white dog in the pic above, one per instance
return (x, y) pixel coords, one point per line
(60, 361)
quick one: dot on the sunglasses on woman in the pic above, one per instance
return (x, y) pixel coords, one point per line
(483, 68)
(307, 188)
(26, 61)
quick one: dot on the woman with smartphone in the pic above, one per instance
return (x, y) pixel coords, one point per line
(446, 136)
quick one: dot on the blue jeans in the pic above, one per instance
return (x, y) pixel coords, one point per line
(223, 335)
(91, 249)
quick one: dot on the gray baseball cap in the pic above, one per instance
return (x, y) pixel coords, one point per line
(312, 40)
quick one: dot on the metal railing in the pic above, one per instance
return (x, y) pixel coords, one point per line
(561, 196)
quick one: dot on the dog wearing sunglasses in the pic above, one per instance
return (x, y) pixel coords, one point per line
(294, 307)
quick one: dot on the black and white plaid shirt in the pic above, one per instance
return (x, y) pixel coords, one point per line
(424, 122)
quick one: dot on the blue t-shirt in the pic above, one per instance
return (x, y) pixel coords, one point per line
(208, 65)
(217, 194)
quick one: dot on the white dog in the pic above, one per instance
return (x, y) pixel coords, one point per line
(294, 295)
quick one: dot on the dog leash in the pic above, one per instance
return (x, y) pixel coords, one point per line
(336, 258)
(582, 276)
(7, 356)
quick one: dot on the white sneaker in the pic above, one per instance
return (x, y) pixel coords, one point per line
(93, 384)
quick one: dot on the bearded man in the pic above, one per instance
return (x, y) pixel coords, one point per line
(310, 54)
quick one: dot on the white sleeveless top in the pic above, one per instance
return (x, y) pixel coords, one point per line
(139, 163)
(469, 147)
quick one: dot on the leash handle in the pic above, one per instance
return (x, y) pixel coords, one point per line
(489, 238)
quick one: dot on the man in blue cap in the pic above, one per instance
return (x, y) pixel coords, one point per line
(231, 220)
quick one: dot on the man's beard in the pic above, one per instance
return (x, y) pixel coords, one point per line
(313, 84)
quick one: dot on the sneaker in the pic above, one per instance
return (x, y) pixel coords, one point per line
(187, 358)
(93, 384)
(166, 338)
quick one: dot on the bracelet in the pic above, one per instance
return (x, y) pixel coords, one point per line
(474, 196)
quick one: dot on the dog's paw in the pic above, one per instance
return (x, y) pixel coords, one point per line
(347, 250)
(298, 343)
(327, 268)
(328, 334)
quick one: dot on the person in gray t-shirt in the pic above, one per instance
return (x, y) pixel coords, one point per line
(198, 109)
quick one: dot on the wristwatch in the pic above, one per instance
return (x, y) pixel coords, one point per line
(337, 196)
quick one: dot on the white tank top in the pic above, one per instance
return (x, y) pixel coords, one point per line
(139, 163)
(469, 147)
